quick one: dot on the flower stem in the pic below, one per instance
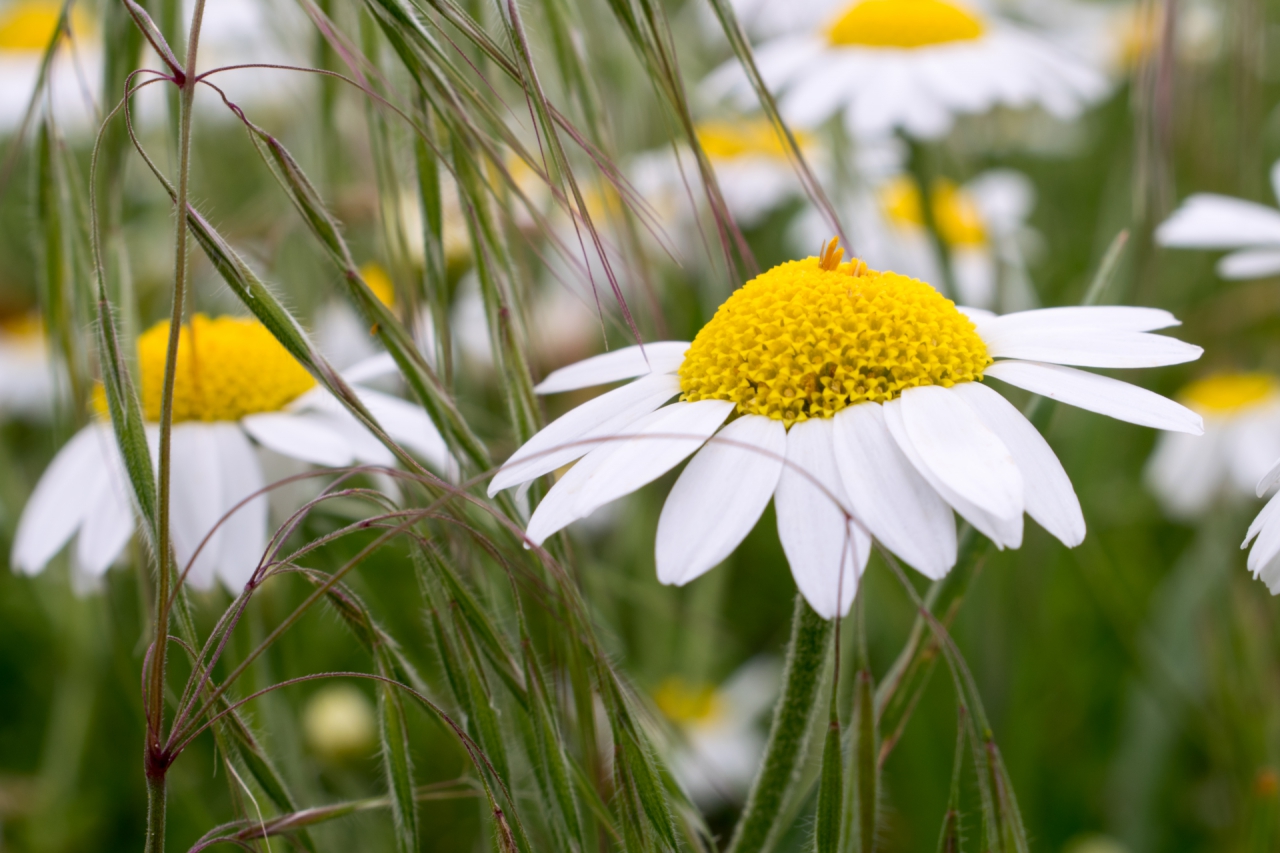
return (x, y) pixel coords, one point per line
(156, 792)
(792, 719)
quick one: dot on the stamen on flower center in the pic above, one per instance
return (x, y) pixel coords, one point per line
(1229, 393)
(809, 338)
(955, 211)
(904, 24)
(228, 367)
(724, 140)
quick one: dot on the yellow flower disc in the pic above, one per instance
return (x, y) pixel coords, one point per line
(954, 210)
(801, 342)
(228, 367)
(682, 702)
(379, 282)
(904, 23)
(1228, 393)
(723, 140)
(29, 25)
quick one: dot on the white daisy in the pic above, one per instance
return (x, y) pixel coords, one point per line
(75, 77)
(867, 385)
(1241, 439)
(910, 64)
(720, 727)
(27, 379)
(752, 163)
(235, 383)
(1211, 221)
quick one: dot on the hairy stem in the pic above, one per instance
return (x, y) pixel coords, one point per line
(155, 813)
(789, 734)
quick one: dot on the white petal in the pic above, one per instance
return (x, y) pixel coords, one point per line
(1252, 444)
(299, 436)
(1266, 527)
(889, 496)
(1208, 221)
(109, 522)
(1250, 263)
(409, 425)
(245, 531)
(374, 367)
(1091, 347)
(719, 497)
(572, 434)
(1004, 532)
(1269, 513)
(196, 503)
(1186, 471)
(62, 498)
(961, 451)
(1100, 394)
(1269, 479)
(826, 550)
(1050, 498)
(626, 363)
(645, 451)
(1115, 318)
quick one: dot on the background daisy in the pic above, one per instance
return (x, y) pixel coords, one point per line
(1212, 221)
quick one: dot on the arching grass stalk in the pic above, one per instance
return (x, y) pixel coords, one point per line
(156, 760)
(788, 736)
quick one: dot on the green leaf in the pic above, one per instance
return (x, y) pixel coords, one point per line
(831, 787)
(396, 761)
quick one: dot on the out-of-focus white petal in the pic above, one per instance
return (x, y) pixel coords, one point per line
(1270, 479)
(299, 436)
(245, 531)
(197, 500)
(1185, 471)
(110, 520)
(1091, 348)
(1004, 532)
(826, 550)
(574, 433)
(62, 498)
(373, 367)
(408, 425)
(1250, 263)
(643, 452)
(1100, 394)
(889, 496)
(1050, 498)
(719, 497)
(961, 451)
(626, 363)
(1209, 221)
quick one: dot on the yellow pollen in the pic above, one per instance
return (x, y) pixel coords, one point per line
(29, 25)
(682, 702)
(955, 211)
(228, 367)
(723, 140)
(904, 24)
(802, 341)
(379, 282)
(1230, 393)
(23, 328)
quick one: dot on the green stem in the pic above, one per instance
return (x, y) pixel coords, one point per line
(156, 792)
(789, 735)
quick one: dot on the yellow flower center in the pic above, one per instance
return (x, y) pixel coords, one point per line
(29, 25)
(1229, 393)
(379, 282)
(684, 703)
(955, 211)
(809, 338)
(228, 367)
(723, 140)
(904, 23)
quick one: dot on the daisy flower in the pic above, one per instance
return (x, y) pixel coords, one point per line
(720, 729)
(752, 164)
(912, 65)
(27, 380)
(26, 28)
(1241, 439)
(236, 390)
(1211, 221)
(855, 400)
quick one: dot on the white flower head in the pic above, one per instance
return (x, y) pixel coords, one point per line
(855, 400)
(1241, 440)
(720, 727)
(912, 65)
(28, 382)
(1211, 221)
(235, 386)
